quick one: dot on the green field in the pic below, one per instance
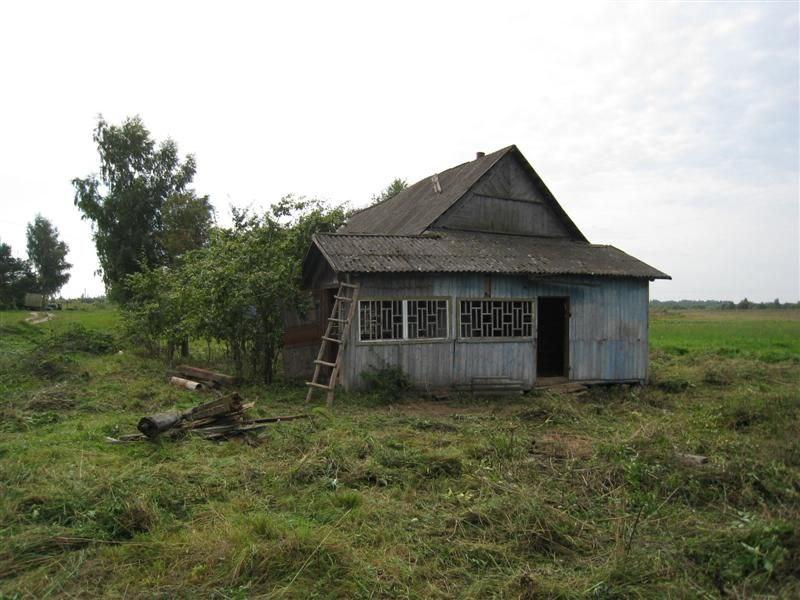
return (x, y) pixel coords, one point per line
(543, 495)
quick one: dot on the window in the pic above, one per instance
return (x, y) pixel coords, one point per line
(380, 319)
(496, 318)
(426, 319)
(402, 320)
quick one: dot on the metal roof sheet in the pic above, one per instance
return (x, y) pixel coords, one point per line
(414, 209)
(468, 252)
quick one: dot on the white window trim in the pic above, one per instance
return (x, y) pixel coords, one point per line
(404, 307)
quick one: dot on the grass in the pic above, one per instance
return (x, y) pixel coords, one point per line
(539, 496)
(768, 334)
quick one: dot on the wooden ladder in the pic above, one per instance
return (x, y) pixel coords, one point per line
(335, 333)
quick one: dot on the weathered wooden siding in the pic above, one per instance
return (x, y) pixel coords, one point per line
(505, 201)
(607, 331)
(298, 361)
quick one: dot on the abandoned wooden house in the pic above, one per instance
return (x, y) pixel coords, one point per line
(475, 272)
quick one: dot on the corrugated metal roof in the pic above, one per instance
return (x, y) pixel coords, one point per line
(414, 209)
(454, 252)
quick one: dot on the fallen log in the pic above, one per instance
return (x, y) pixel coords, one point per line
(154, 425)
(186, 383)
(277, 419)
(218, 379)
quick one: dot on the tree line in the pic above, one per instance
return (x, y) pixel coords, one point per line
(743, 304)
(175, 273)
(45, 271)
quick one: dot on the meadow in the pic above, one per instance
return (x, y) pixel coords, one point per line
(538, 496)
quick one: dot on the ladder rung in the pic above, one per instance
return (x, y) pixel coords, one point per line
(350, 285)
(318, 385)
(344, 298)
(330, 339)
(337, 320)
(323, 362)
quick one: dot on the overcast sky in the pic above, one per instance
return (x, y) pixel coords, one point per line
(668, 130)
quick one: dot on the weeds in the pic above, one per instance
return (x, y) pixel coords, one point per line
(388, 382)
(543, 495)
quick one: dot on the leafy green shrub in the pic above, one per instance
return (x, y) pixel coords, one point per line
(389, 381)
(77, 338)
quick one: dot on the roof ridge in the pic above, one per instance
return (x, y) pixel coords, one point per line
(391, 235)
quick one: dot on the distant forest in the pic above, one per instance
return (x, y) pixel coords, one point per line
(744, 304)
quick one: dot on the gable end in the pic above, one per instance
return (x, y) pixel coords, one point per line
(510, 198)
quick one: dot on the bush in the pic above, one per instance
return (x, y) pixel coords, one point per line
(50, 357)
(389, 382)
(77, 338)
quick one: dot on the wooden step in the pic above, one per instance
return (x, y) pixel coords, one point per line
(337, 320)
(318, 385)
(350, 285)
(325, 363)
(330, 339)
(344, 298)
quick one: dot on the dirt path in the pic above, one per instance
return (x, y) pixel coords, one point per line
(36, 318)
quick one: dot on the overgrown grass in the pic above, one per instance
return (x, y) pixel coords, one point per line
(545, 495)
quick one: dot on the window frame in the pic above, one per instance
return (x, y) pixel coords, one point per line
(522, 338)
(404, 309)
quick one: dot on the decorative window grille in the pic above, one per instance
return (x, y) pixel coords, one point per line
(426, 319)
(496, 318)
(381, 319)
(402, 319)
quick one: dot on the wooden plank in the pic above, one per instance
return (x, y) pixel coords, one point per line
(231, 403)
(318, 385)
(206, 375)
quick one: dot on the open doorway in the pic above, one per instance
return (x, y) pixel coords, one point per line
(552, 337)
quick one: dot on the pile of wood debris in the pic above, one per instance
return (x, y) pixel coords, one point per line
(221, 418)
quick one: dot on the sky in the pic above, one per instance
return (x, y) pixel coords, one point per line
(669, 130)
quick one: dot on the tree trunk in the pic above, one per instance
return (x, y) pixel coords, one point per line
(236, 355)
(185, 347)
(170, 352)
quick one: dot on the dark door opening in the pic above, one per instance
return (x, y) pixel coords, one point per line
(552, 337)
